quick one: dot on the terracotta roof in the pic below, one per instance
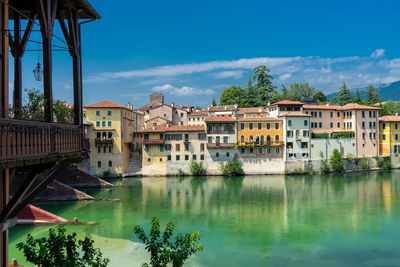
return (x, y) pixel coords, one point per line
(251, 110)
(159, 118)
(219, 119)
(106, 104)
(147, 107)
(199, 113)
(357, 106)
(287, 102)
(175, 128)
(223, 108)
(334, 107)
(389, 118)
(294, 114)
(259, 119)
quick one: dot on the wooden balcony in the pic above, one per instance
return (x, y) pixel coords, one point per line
(21, 140)
(153, 141)
(104, 141)
(220, 145)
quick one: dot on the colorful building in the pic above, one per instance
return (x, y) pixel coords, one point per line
(221, 137)
(110, 136)
(256, 112)
(389, 136)
(260, 136)
(197, 117)
(154, 160)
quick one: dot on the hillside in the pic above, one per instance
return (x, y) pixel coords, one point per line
(387, 91)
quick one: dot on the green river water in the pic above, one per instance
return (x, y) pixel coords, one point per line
(321, 220)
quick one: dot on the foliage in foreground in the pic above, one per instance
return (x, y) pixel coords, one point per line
(364, 163)
(384, 162)
(231, 168)
(196, 168)
(336, 160)
(60, 249)
(162, 250)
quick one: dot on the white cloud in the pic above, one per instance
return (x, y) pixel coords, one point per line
(378, 53)
(236, 74)
(67, 86)
(285, 76)
(182, 91)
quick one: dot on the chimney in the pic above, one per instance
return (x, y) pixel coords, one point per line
(225, 107)
(154, 126)
(236, 106)
(173, 103)
(167, 124)
(268, 103)
(259, 110)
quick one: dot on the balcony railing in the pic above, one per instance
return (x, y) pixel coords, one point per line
(104, 141)
(270, 143)
(25, 139)
(153, 141)
(220, 145)
(221, 131)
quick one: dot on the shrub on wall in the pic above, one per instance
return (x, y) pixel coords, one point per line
(364, 163)
(180, 172)
(319, 135)
(384, 162)
(325, 166)
(107, 173)
(196, 168)
(350, 156)
(343, 134)
(231, 168)
(336, 160)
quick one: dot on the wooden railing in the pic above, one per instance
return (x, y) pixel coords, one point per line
(24, 139)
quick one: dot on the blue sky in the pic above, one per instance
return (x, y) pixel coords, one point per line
(191, 50)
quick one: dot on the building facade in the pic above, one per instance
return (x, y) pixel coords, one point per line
(389, 136)
(197, 117)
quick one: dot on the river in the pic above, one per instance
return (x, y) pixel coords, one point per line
(322, 220)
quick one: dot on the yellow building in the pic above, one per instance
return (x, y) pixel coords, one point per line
(389, 135)
(154, 155)
(260, 137)
(110, 136)
(255, 112)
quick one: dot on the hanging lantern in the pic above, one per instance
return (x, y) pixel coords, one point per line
(37, 72)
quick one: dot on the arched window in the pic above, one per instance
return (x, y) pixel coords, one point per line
(297, 134)
(109, 134)
(110, 163)
(242, 139)
(262, 139)
(257, 139)
(104, 135)
(98, 135)
(277, 138)
(251, 139)
(268, 139)
(99, 164)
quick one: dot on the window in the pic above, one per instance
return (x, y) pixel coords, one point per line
(109, 123)
(167, 147)
(242, 139)
(383, 126)
(383, 136)
(320, 125)
(99, 164)
(109, 113)
(251, 139)
(242, 150)
(331, 114)
(304, 145)
(396, 137)
(250, 126)
(363, 135)
(268, 150)
(289, 133)
(306, 133)
(276, 126)
(259, 126)
(338, 114)
(110, 149)
(370, 135)
(396, 149)
(190, 119)
(225, 139)
(363, 124)
(210, 139)
(242, 126)
(109, 163)
(202, 136)
(374, 114)
(370, 113)
(194, 157)
(268, 126)
(202, 147)
(186, 147)
(99, 149)
(182, 115)
(104, 149)
(217, 155)
(251, 150)
(277, 150)
(168, 157)
(331, 124)
(161, 148)
(305, 122)
(370, 124)
(289, 145)
(363, 114)
(98, 113)
(338, 124)
(227, 154)
(186, 156)
(97, 124)
(320, 114)
(109, 134)
(201, 157)
(395, 125)
(103, 124)
(289, 122)
(260, 150)
(374, 124)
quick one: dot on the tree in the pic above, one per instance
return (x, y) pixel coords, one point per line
(162, 250)
(302, 92)
(231, 168)
(63, 113)
(213, 102)
(264, 86)
(343, 97)
(233, 95)
(196, 168)
(60, 249)
(372, 95)
(336, 160)
(358, 97)
(320, 97)
(390, 108)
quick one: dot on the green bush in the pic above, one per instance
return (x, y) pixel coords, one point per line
(60, 249)
(336, 160)
(180, 172)
(231, 168)
(107, 173)
(384, 162)
(325, 166)
(349, 134)
(163, 251)
(380, 162)
(350, 156)
(320, 135)
(364, 163)
(196, 168)
(388, 163)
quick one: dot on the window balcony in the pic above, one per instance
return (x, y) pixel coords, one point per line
(104, 141)
(220, 145)
(153, 141)
(221, 131)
